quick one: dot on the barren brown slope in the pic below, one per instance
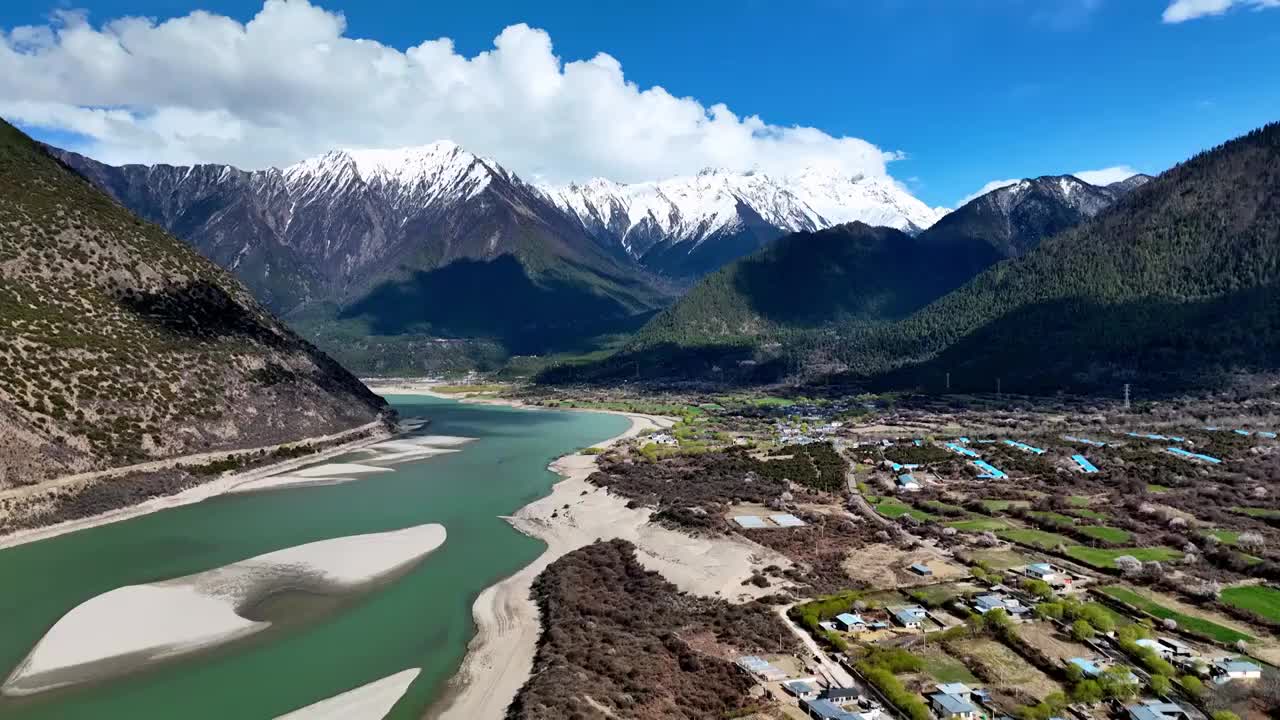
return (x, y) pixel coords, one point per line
(119, 344)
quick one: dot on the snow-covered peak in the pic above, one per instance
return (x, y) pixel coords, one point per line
(441, 171)
(691, 209)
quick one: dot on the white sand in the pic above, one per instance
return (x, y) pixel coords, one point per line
(367, 702)
(131, 627)
(387, 452)
(500, 657)
(200, 492)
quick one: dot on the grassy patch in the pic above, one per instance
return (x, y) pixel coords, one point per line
(979, 524)
(1259, 599)
(893, 510)
(946, 669)
(1230, 537)
(1106, 558)
(1264, 513)
(1154, 488)
(1079, 500)
(935, 595)
(1002, 505)
(999, 559)
(1187, 622)
(1053, 517)
(1107, 534)
(939, 506)
(1088, 514)
(1035, 538)
(460, 389)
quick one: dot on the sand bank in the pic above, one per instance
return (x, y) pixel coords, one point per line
(128, 628)
(376, 459)
(200, 492)
(500, 657)
(367, 702)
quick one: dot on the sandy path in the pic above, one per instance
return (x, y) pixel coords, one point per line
(203, 491)
(500, 657)
(131, 627)
(367, 702)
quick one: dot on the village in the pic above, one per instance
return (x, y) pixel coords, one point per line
(993, 564)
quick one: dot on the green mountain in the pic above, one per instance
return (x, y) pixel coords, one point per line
(851, 273)
(120, 345)
(1172, 285)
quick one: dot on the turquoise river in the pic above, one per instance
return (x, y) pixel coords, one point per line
(422, 619)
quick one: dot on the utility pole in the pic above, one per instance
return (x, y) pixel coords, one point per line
(948, 382)
(998, 391)
(1126, 396)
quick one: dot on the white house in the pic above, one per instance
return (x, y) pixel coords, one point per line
(1227, 669)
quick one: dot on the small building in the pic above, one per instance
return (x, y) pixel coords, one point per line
(1156, 710)
(803, 688)
(921, 569)
(840, 695)
(786, 520)
(750, 522)
(850, 622)
(663, 439)
(911, 617)
(1174, 649)
(1088, 667)
(1227, 669)
(960, 690)
(951, 707)
(908, 483)
(1056, 577)
(827, 710)
(991, 601)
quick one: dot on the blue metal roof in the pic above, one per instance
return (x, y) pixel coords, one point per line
(827, 710)
(849, 619)
(1084, 463)
(952, 704)
(989, 471)
(1024, 446)
(1193, 456)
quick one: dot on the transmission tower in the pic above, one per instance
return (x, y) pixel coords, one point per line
(1126, 396)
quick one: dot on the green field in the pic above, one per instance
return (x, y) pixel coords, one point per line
(460, 389)
(979, 524)
(1105, 558)
(1036, 538)
(1230, 537)
(1154, 488)
(946, 669)
(939, 506)
(1264, 513)
(893, 510)
(1186, 622)
(1079, 500)
(1088, 514)
(1106, 534)
(1258, 599)
(935, 595)
(1002, 505)
(1053, 517)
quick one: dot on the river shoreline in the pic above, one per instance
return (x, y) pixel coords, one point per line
(204, 491)
(572, 515)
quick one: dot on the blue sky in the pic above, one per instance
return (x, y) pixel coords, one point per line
(968, 91)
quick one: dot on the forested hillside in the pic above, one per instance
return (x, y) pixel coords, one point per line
(119, 344)
(1173, 285)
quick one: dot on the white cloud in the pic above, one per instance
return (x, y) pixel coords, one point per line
(290, 83)
(1106, 176)
(993, 185)
(1183, 10)
(1103, 176)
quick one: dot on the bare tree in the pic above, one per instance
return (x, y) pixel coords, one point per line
(1128, 565)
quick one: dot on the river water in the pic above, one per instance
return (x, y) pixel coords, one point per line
(422, 619)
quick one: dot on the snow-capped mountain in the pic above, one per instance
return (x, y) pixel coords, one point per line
(412, 238)
(691, 225)
(1015, 218)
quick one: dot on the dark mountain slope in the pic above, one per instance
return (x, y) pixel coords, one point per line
(849, 273)
(1015, 218)
(367, 242)
(119, 344)
(1176, 283)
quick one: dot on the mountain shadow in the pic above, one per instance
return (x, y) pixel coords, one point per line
(497, 299)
